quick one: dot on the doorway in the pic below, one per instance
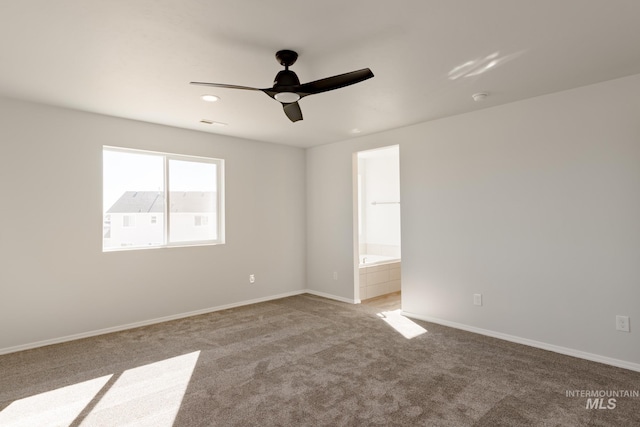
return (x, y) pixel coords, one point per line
(377, 214)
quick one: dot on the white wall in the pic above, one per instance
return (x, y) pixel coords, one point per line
(534, 204)
(55, 281)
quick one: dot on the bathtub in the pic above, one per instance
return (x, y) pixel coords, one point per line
(369, 260)
(379, 275)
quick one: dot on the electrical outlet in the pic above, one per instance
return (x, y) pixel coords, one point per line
(252, 278)
(622, 323)
(477, 299)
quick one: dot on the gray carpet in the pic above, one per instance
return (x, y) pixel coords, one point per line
(303, 361)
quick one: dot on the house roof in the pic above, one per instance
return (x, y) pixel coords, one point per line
(192, 201)
(153, 202)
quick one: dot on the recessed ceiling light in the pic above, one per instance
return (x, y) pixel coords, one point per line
(479, 97)
(210, 98)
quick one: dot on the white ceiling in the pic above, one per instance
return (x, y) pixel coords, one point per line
(135, 58)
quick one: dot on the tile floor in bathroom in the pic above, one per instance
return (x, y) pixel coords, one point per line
(388, 302)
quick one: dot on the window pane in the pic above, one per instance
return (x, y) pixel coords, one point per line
(193, 199)
(133, 195)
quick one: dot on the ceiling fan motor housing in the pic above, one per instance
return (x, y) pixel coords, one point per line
(285, 78)
(286, 58)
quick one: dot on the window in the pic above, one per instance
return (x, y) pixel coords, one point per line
(128, 221)
(201, 221)
(161, 200)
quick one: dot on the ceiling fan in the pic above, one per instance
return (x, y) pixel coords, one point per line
(287, 88)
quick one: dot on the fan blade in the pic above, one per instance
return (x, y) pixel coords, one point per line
(335, 82)
(293, 111)
(225, 86)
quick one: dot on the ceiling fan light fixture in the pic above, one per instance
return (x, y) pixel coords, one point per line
(287, 97)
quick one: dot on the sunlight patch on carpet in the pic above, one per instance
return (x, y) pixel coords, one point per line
(405, 326)
(149, 395)
(57, 407)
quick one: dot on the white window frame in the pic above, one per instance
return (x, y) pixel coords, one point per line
(167, 232)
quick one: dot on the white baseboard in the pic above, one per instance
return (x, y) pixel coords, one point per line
(531, 343)
(333, 297)
(145, 323)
